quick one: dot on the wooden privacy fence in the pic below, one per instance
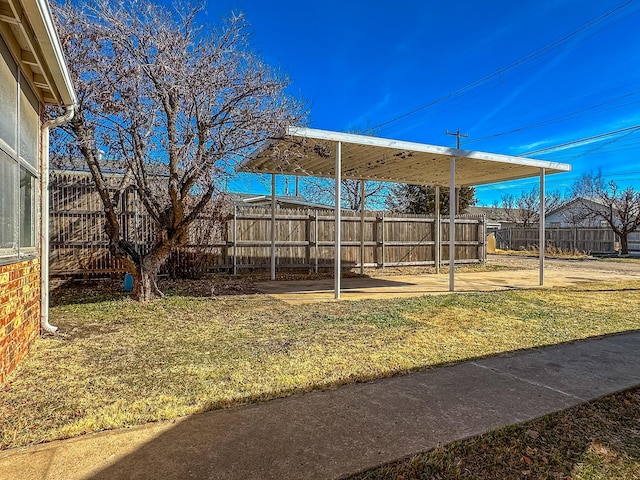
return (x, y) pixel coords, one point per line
(304, 238)
(593, 240)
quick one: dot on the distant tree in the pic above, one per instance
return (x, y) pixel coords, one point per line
(417, 199)
(524, 209)
(619, 207)
(174, 104)
(321, 190)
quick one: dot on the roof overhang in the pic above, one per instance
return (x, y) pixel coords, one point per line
(28, 29)
(312, 152)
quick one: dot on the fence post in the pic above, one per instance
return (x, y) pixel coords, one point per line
(482, 239)
(224, 248)
(235, 239)
(307, 250)
(382, 237)
(315, 238)
(375, 239)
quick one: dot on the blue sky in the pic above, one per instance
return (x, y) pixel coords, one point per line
(361, 64)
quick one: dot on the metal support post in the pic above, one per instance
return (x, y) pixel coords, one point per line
(437, 230)
(452, 224)
(273, 227)
(541, 247)
(362, 227)
(338, 219)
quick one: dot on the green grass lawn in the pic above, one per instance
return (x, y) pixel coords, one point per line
(597, 440)
(118, 363)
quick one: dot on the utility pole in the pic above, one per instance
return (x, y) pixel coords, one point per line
(457, 135)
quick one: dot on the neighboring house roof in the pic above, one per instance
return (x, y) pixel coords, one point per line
(28, 29)
(284, 201)
(497, 214)
(576, 202)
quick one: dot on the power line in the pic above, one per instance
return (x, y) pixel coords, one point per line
(563, 117)
(511, 66)
(580, 141)
(606, 147)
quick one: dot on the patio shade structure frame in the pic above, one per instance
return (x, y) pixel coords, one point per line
(328, 154)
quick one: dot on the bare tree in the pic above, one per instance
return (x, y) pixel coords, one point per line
(173, 104)
(607, 201)
(321, 190)
(524, 209)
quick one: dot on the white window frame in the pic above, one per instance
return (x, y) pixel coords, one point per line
(16, 252)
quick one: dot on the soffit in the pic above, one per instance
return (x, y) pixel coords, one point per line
(312, 152)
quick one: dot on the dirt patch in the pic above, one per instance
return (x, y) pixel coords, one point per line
(593, 265)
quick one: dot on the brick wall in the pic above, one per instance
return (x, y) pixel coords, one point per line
(19, 312)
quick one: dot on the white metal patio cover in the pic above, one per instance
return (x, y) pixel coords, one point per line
(323, 153)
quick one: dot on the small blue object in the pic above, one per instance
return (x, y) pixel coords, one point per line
(128, 282)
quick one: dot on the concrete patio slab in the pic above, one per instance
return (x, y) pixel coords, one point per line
(401, 286)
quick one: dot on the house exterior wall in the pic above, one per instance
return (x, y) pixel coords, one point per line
(574, 214)
(571, 219)
(20, 157)
(33, 73)
(19, 312)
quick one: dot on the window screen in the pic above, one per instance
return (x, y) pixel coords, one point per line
(29, 125)
(8, 231)
(8, 97)
(19, 156)
(28, 227)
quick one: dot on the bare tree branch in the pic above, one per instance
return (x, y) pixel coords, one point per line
(322, 190)
(619, 208)
(173, 104)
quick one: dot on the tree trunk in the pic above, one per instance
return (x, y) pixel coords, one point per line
(624, 244)
(146, 278)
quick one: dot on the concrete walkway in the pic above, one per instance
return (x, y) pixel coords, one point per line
(334, 433)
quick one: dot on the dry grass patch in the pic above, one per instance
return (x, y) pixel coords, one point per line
(118, 363)
(597, 440)
(550, 252)
(635, 260)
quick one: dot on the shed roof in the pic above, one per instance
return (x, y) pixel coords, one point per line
(312, 152)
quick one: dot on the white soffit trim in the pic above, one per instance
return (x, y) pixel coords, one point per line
(41, 20)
